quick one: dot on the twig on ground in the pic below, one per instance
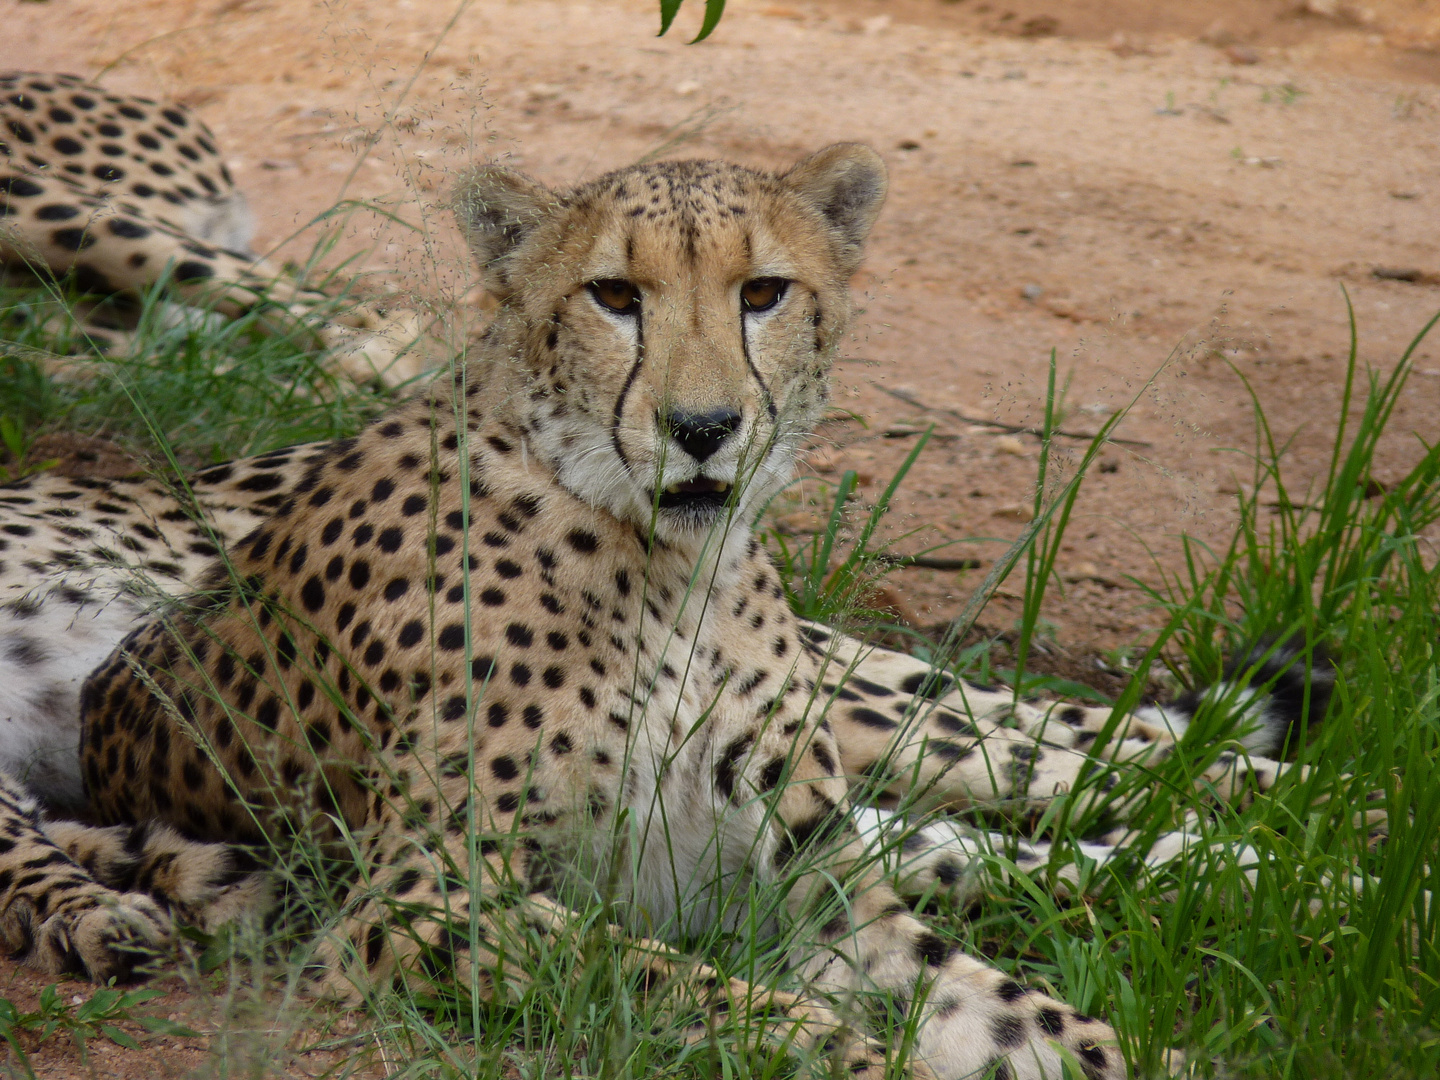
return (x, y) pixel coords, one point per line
(926, 562)
(1018, 429)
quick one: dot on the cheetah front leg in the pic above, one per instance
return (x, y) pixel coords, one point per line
(202, 885)
(938, 854)
(973, 1019)
(56, 917)
(423, 920)
(908, 732)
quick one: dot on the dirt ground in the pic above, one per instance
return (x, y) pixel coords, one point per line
(1161, 191)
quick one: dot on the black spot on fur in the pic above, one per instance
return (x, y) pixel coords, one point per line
(956, 725)
(871, 718)
(928, 684)
(77, 240)
(1051, 1021)
(1009, 990)
(933, 949)
(816, 832)
(20, 187)
(190, 270)
(374, 943)
(947, 872)
(1008, 1031)
(504, 768)
(823, 758)
(26, 651)
(1092, 1056)
(948, 750)
(874, 689)
(583, 541)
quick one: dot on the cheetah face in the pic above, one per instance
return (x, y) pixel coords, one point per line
(675, 323)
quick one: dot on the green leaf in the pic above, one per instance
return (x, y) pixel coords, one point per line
(49, 1001)
(713, 10)
(668, 10)
(139, 997)
(101, 1003)
(20, 1054)
(12, 435)
(118, 1037)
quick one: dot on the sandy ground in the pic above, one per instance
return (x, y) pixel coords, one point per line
(1167, 193)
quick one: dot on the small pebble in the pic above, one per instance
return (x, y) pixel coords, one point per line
(1014, 512)
(801, 523)
(1009, 444)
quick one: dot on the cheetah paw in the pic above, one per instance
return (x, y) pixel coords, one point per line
(108, 940)
(867, 1059)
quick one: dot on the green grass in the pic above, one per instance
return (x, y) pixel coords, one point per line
(207, 388)
(96, 1016)
(1302, 975)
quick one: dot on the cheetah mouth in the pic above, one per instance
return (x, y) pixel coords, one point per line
(697, 494)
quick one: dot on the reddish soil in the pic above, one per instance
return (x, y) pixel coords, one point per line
(1168, 193)
(230, 1031)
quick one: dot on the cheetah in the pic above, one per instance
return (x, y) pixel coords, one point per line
(517, 641)
(120, 193)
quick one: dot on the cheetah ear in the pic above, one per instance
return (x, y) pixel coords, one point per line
(846, 183)
(497, 209)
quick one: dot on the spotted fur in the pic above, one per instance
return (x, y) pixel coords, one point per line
(520, 616)
(121, 192)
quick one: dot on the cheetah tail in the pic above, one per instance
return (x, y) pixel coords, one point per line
(1275, 689)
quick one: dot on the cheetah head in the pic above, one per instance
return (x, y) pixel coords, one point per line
(674, 322)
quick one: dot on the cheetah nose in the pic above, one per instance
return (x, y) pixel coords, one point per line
(700, 434)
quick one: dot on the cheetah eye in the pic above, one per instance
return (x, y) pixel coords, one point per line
(617, 295)
(762, 293)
